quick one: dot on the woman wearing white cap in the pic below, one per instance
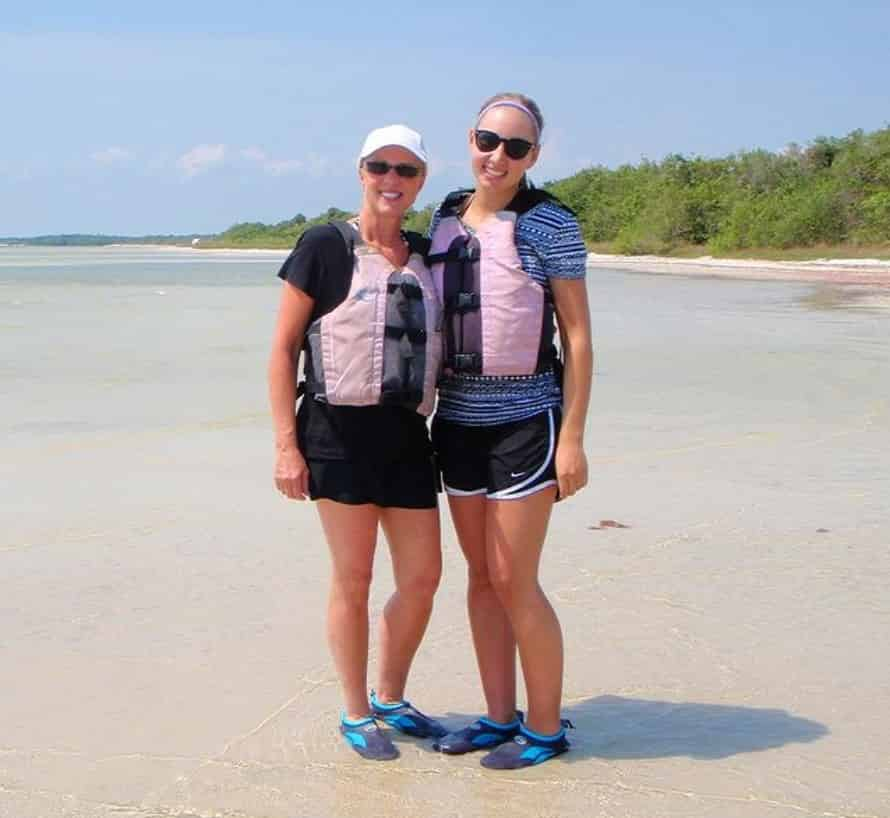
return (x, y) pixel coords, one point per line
(509, 262)
(359, 302)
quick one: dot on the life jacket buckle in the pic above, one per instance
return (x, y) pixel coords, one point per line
(468, 252)
(407, 289)
(465, 302)
(415, 335)
(466, 362)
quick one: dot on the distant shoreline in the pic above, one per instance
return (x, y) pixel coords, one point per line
(202, 249)
(872, 272)
(849, 271)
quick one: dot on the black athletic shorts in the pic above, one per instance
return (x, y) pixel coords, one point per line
(506, 461)
(411, 483)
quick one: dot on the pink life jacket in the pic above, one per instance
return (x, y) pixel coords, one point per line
(497, 319)
(382, 344)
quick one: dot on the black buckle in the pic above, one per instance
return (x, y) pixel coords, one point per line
(468, 301)
(463, 302)
(407, 289)
(416, 336)
(465, 361)
(468, 252)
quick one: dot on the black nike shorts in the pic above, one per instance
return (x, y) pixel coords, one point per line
(506, 461)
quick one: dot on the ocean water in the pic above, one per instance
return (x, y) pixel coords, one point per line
(116, 338)
(136, 266)
(112, 339)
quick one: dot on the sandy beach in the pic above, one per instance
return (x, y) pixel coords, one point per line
(831, 271)
(162, 609)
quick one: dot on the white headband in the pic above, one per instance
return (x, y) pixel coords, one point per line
(512, 103)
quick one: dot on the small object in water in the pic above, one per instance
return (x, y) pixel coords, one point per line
(612, 524)
(822, 530)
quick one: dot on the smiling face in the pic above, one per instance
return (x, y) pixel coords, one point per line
(391, 194)
(495, 171)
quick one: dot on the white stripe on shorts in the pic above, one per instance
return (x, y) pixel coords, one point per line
(520, 494)
(461, 492)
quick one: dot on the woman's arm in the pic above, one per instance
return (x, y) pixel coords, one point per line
(291, 473)
(573, 318)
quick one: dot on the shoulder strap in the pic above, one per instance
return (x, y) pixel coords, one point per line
(348, 233)
(528, 197)
(417, 243)
(453, 202)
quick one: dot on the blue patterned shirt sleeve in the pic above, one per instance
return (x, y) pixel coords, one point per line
(565, 255)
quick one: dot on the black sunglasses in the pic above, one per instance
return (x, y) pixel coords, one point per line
(488, 141)
(380, 168)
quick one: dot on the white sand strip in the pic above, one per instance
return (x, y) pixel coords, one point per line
(838, 271)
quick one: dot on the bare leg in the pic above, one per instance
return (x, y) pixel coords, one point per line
(515, 531)
(414, 543)
(351, 532)
(492, 632)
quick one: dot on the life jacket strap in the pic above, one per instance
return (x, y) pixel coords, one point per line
(416, 336)
(458, 251)
(462, 302)
(408, 289)
(465, 362)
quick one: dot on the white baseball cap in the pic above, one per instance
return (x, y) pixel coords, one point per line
(399, 136)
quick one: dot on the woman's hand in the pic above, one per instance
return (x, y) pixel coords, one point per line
(291, 473)
(571, 468)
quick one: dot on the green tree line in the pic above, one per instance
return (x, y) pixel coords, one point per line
(832, 191)
(286, 233)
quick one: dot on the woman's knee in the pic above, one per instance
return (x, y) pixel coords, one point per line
(512, 588)
(352, 587)
(421, 585)
(478, 579)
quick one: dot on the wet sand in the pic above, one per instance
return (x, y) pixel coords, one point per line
(162, 609)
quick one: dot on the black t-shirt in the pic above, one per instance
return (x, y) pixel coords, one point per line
(320, 266)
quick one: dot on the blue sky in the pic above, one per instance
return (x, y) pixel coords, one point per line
(181, 117)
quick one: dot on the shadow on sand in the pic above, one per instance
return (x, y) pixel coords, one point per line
(616, 728)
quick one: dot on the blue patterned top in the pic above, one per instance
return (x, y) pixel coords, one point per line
(549, 243)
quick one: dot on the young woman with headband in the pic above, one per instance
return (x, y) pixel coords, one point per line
(509, 264)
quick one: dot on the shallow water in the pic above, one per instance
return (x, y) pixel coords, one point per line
(162, 609)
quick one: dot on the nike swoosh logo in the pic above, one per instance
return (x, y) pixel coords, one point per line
(516, 473)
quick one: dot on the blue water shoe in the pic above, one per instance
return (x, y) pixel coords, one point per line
(367, 739)
(527, 749)
(481, 734)
(406, 718)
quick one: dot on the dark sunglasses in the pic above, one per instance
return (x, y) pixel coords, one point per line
(403, 169)
(488, 141)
